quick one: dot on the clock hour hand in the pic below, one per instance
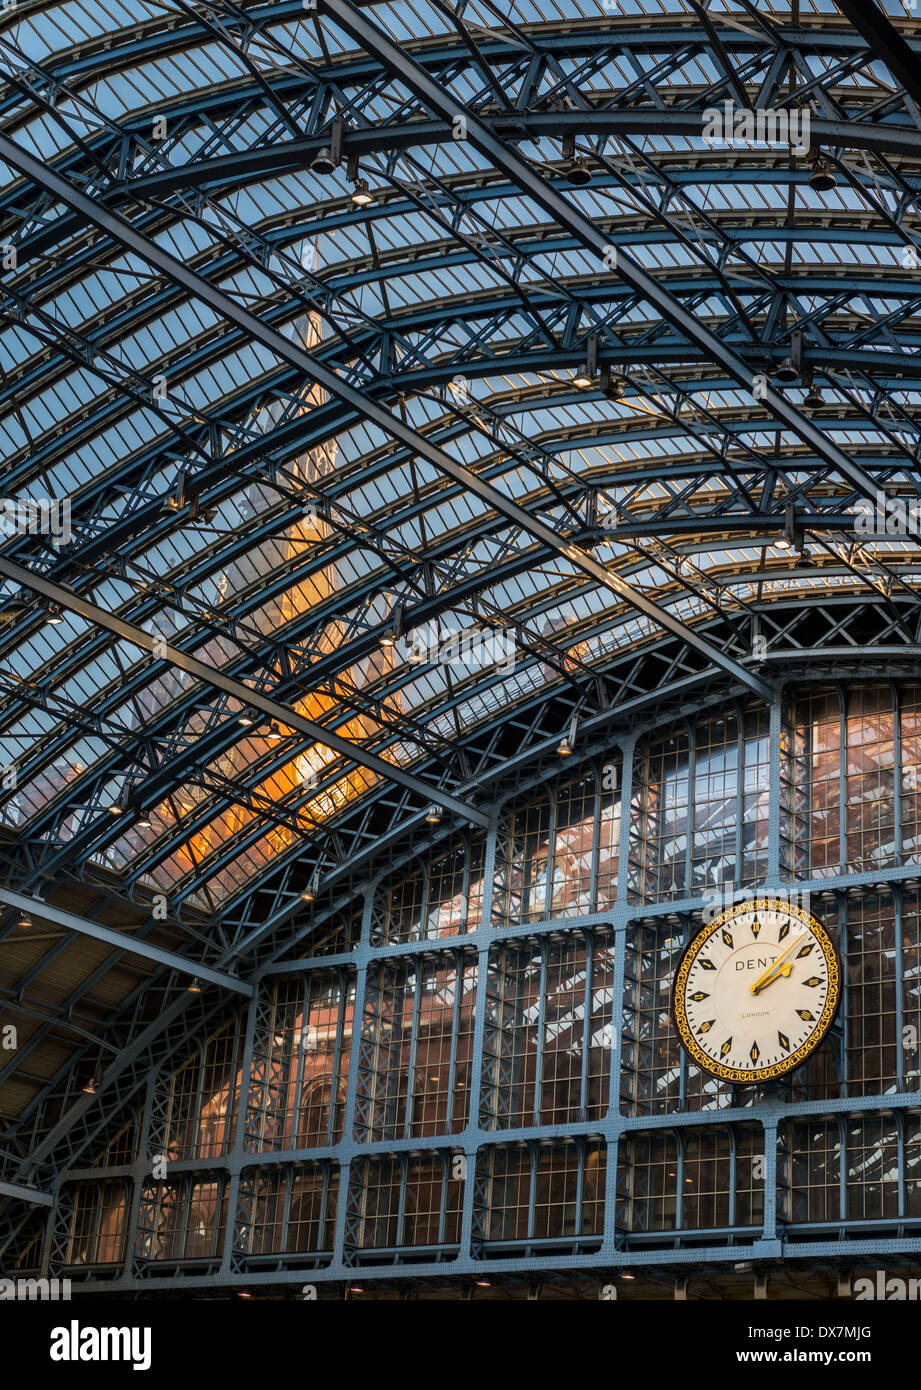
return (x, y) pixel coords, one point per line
(778, 968)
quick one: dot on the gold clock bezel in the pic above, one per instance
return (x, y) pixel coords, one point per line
(826, 1019)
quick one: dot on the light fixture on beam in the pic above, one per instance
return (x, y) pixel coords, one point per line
(328, 159)
(92, 1085)
(310, 892)
(13, 605)
(193, 987)
(55, 615)
(567, 744)
(25, 920)
(434, 814)
(585, 375)
(791, 367)
(792, 537)
(821, 180)
(361, 194)
(395, 631)
(178, 497)
(579, 171)
(275, 734)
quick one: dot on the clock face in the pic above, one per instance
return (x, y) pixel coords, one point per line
(756, 991)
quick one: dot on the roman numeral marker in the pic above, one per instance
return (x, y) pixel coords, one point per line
(754, 1054)
(756, 926)
(783, 1040)
(699, 996)
(726, 1046)
(784, 931)
(727, 938)
(806, 1015)
(705, 1027)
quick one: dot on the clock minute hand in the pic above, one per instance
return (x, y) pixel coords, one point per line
(777, 968)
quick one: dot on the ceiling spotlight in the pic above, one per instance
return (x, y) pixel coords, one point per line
(275, 734)
(144, 822)
(25, 920)
(567, 743)
(310, 892)
(586, 374)
(822, 180)
(92, 1086)
(323, 162)
(395, 631)
(245, 720)
(793, 537)
(327, 159)
(434, 814)
(11, 605)
(361, 194)
(54, 613)
(482, 1283)
(791, 368)
(243, 1293)
(580, 171)
(177, 498)
(116, 810)
(194, 987)
(308, 895)
(625, 1275)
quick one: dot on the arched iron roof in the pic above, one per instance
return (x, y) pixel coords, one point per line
(296, 432)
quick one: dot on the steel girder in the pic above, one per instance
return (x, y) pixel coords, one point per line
(47, 912)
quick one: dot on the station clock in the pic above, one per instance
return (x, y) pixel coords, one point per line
(756, 990)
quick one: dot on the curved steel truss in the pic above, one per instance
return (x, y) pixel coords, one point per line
(535, 412)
